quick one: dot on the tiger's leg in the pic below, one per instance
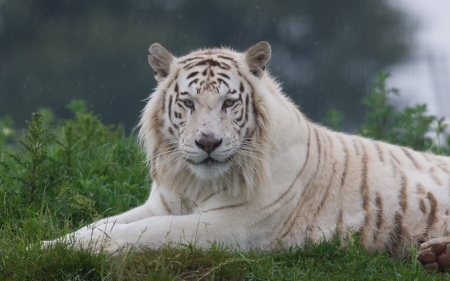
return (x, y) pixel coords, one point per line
(435, 254)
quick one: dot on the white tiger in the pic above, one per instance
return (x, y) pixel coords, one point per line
(235, 162)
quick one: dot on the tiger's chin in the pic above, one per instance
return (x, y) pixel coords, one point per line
(209, 168)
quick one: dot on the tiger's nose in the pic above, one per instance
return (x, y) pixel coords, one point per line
(208, 143)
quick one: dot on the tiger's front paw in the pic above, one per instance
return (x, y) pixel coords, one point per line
(68, 240)
(94, 240)
(435, 254)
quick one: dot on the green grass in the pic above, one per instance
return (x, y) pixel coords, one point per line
(59, 175)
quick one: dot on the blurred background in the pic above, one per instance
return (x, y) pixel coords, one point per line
(325, 52)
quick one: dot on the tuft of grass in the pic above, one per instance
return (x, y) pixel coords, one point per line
(323, 261)
(59, 175)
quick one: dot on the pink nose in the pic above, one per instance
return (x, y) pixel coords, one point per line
(208, 143)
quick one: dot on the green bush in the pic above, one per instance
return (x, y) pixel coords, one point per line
(76, 169)
(411, 127)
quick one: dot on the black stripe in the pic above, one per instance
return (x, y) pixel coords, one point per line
(224, 66)
(189, 59)
(380, 152)
(327, 192)
(209, 62)
(403, 197)
(227, 207)
(239, 119)
(408, 154)
(224, 75)
(164, 104)
(212, 194)
(379, 222)
(226, 58)
(395, 158)
(344, 173)
(432, 215)
(319, 150)
(364, 190)
(170, 108)
(192, 82)
(396, 236)
(223, 81)
(192, 74)
(165, 204)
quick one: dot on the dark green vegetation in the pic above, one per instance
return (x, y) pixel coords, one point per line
(411, 127)
(61, 174)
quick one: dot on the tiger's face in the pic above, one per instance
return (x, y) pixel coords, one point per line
(209, 113)
(207, 105)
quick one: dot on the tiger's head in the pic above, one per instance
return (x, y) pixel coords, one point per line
(207, 121)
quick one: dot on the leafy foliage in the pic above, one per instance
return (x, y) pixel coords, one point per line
(77, 168)
(412, 126)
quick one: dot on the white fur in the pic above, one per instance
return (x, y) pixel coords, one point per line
(297, 181)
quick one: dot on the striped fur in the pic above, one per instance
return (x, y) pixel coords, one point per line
(276, 179)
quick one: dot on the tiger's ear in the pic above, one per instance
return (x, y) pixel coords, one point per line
(159, 59)
(257, 57)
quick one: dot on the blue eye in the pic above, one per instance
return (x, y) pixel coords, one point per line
(188, 103)
(229, 102)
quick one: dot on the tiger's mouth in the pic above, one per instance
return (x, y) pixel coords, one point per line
(209, 161)
(209, 168)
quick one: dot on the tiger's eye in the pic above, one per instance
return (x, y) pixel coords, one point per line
(188, 103)
(229, 102)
